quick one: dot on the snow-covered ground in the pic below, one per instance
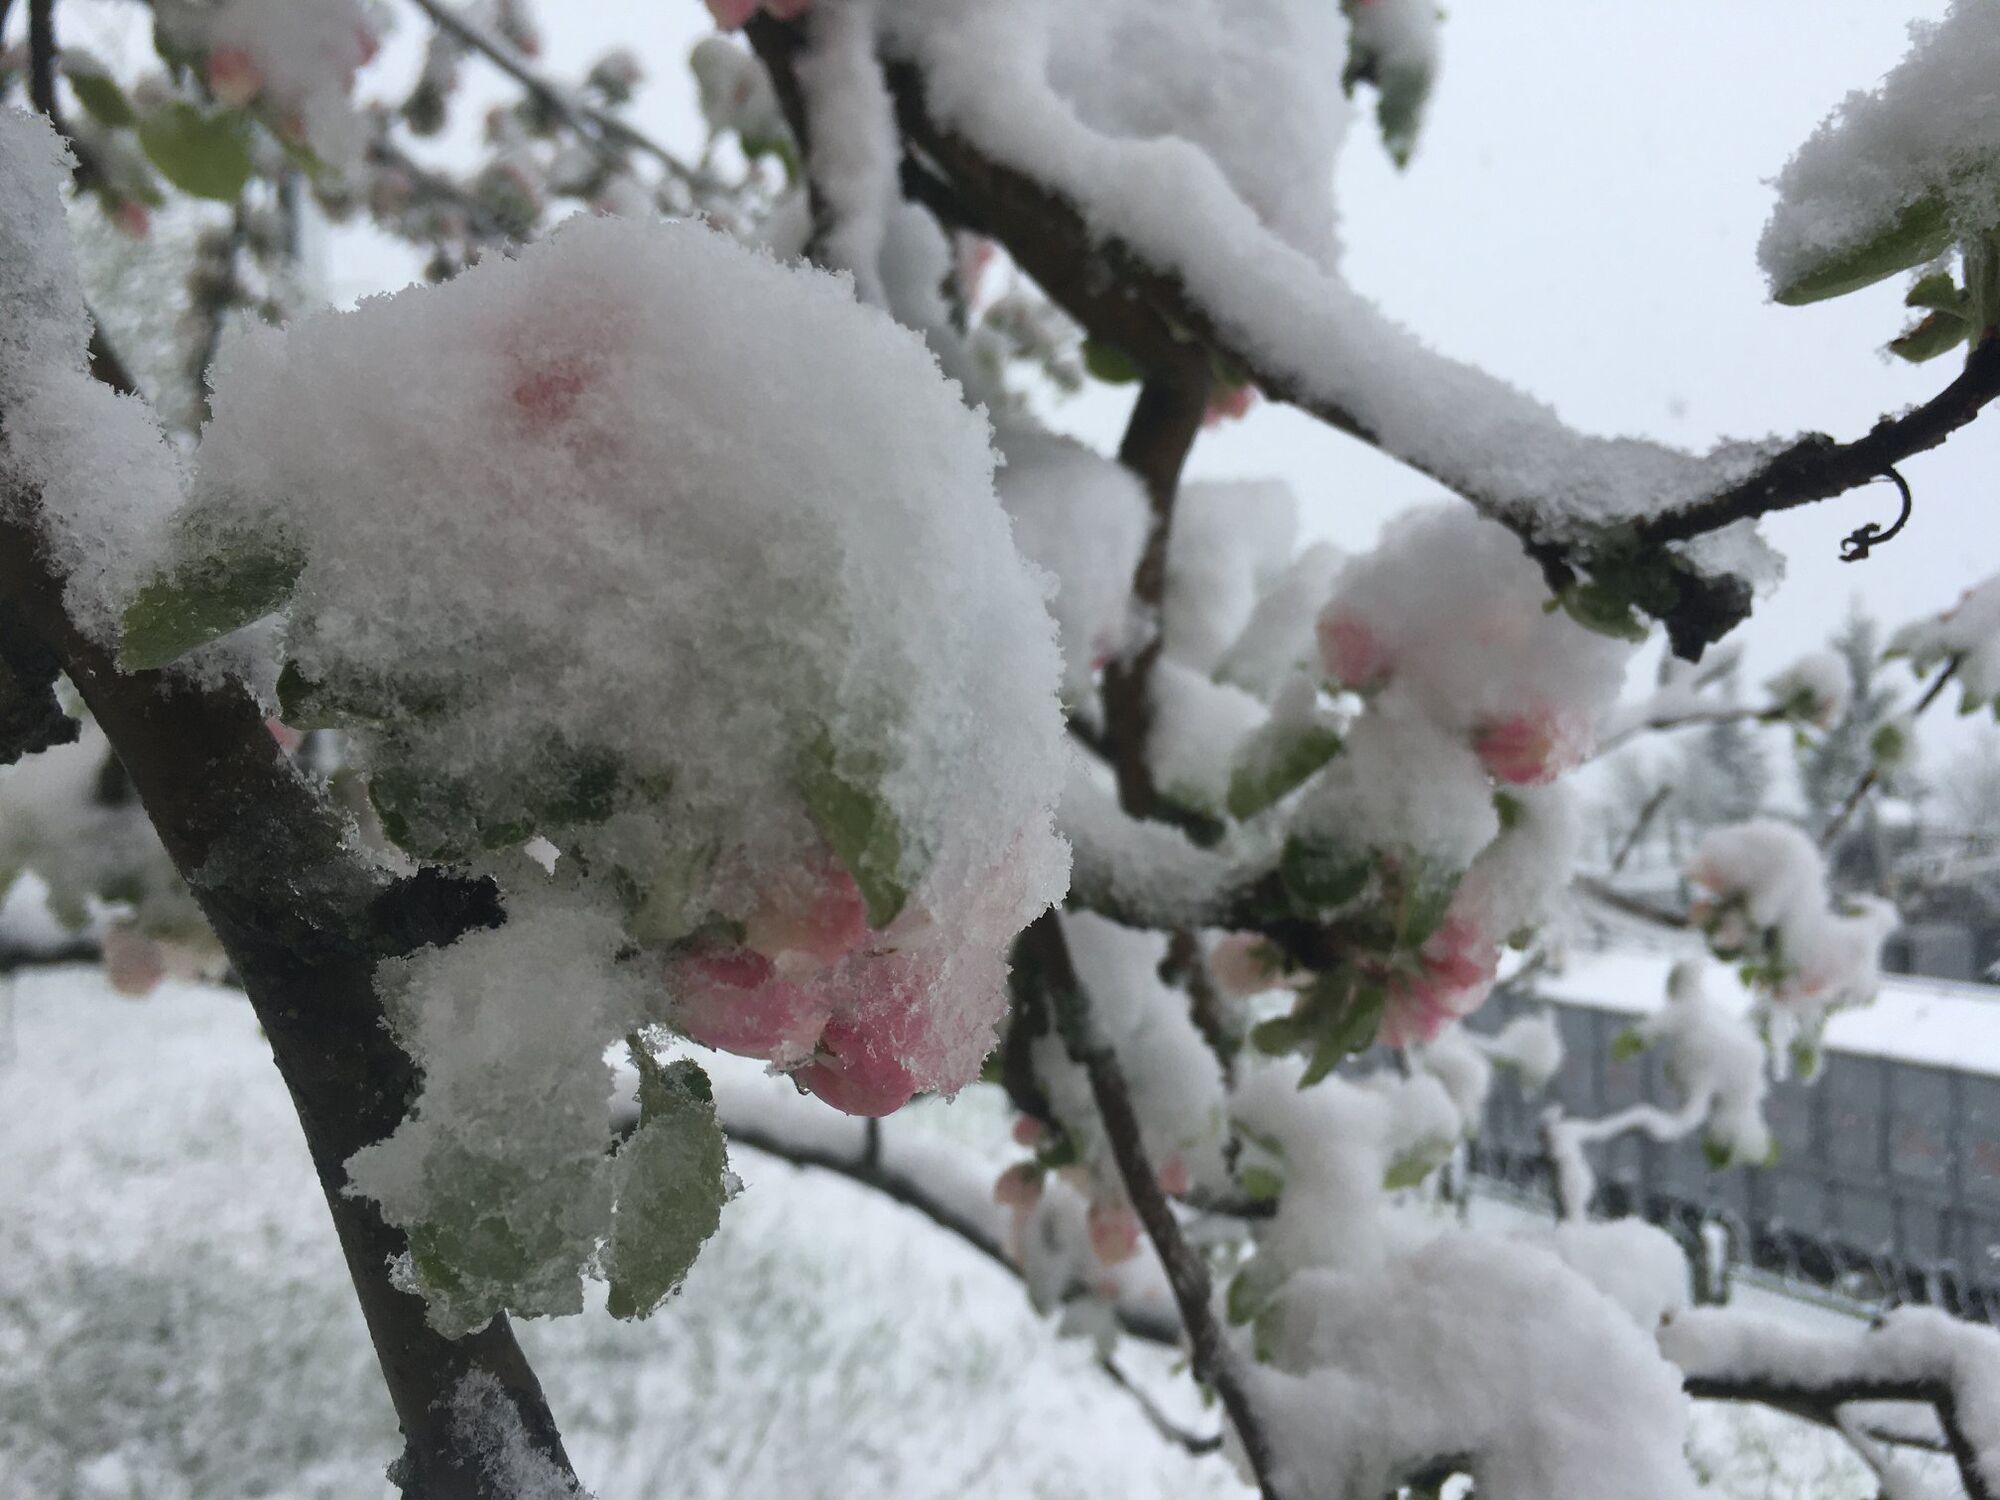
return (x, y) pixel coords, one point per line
(175, 1320)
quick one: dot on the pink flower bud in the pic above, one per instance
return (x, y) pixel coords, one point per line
(732, 15)
(1243, 964)
(1228, 403)
(288, 738)
(732, 999)
(233, 77)
(1531, 749)
(1020, 1186)
(133, 962)
(1028, 1131)
(1114, 1232)
(132, 219)
(859, 1084)
(1173, 1176)
(1456, 971)
(814, 918)
(1352, 653)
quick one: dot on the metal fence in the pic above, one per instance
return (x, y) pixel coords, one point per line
(1886, 1186)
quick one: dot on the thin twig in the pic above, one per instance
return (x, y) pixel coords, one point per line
(42, 61)
(1193, 1442)
(1644, 821)
(597, 128)
(1873, 774)
(1215, 1361)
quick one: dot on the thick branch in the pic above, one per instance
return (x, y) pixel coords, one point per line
(1215, 1361)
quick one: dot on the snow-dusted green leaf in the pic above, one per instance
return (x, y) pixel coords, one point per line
(672, 1180)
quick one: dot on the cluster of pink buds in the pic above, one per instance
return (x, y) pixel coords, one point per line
(814, 989)
(1456, 970)
(1532, 748)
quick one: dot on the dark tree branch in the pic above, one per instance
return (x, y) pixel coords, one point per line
(1165, 421)
(1215, 1361)
(42, 61)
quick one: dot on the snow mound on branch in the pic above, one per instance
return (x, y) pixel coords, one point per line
(1081, 518)
(1231, 541)
(1199, 134)
(649, 545)
(1492, 1350)
(1971, 629)
(1929, 131)
(94, 464)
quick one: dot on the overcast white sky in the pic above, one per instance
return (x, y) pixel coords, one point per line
(1581, 218)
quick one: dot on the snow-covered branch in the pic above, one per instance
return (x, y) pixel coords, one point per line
(1913, 1354)
(1165, 288)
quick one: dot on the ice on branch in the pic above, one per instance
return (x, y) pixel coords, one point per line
(1768, 909)
(1970, 633)
(1898, 174)
(296, 62)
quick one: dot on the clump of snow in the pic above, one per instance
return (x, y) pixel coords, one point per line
(1082, 519)
(741, 669)
(1229, 544)
(1924, 142)
(297, 60)
(508, 1027)
(1635, 1264)
(1816, 688)
(1969, 631)
(1277, 643)
(1492, 1354)
(1197, 731)
(1768, 906)
(852, 126)
(1175, 1081)
(90, 470)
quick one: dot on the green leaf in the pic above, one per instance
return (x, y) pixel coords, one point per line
(1399, 110)
(1353, 1029)
(1940, 333)
(201, 600)
(861, 827)
(1888, 745)
(672, 1182)
(1242, 1300)
(1412, 1167)
(1937, 292)
(1628, 1044)
(207, 155)
(1261, 1184)
(1320, 876)
(100, 95)
(1597, 607)
(1921, 232)
(1270, 771)
(1110, 364)
(1717, 1153)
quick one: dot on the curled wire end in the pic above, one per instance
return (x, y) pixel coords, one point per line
(1855, 546)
